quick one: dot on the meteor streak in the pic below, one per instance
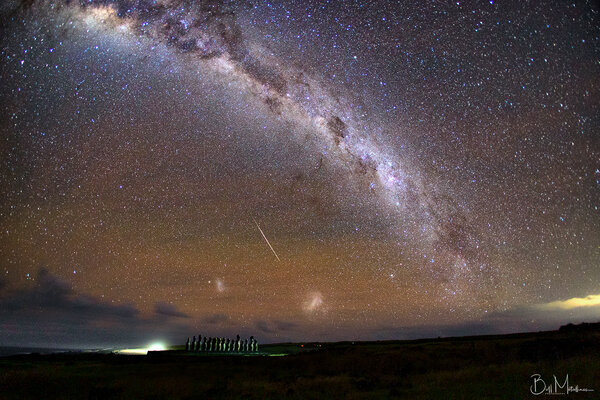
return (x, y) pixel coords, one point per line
(266, 240)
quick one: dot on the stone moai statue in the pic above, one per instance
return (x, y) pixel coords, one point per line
(193, 345)
(255, 346)
(252, 341)
(203, 345)
(228, 345)
(245, 345)
(214, 344)
(187, 344)
(220, 346)
(198, 343)
(209, 344)
(237, 343)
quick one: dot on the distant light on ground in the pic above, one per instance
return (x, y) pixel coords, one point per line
(135, 352)
(157, 346)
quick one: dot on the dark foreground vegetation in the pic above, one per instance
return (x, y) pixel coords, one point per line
(486, 367)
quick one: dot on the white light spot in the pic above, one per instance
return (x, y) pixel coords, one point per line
(313, 303)
(157, 346)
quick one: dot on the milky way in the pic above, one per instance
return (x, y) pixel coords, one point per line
(419, 169)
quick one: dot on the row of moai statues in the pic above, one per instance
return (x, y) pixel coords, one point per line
(222, 345)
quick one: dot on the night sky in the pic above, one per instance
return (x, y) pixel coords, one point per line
(297, 170)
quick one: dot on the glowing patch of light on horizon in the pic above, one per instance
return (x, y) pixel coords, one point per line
(575, 302)
(156, 346)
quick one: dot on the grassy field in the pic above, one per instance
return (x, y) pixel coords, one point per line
(489, 367)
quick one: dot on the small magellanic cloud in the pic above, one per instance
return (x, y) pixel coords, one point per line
(575, 302)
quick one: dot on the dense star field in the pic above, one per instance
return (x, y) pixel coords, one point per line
(297, 170)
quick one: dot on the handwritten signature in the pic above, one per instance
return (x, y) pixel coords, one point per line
(539, 386)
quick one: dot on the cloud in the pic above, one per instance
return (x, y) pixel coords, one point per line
(575, 302)
(51, 294)
(263, 326)
(275, 326)
(170, 310)
(51, 313)
(285, 325)
(215, 319)
(523, 318)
